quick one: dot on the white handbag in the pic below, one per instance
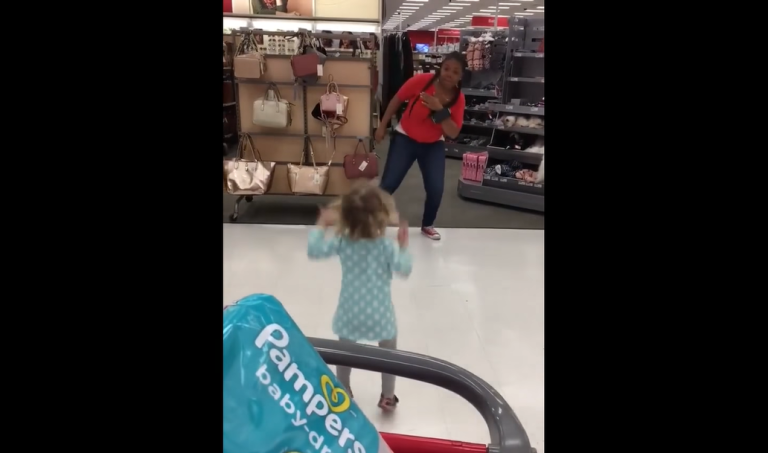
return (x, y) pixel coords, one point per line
(271, 110)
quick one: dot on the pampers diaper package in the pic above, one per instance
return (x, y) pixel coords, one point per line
(279, 395)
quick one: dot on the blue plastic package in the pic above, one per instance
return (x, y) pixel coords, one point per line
(279, 395)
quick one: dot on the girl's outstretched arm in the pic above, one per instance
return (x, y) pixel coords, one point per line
(400, 259)
(319, 246)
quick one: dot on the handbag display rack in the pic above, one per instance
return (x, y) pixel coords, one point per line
(274, 150)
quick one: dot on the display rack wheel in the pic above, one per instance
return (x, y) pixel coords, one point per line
(249, 199)
(233, 217)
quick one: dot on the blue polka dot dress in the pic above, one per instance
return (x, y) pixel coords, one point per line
(365, 311)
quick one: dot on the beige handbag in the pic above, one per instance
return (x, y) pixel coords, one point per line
(248, 62)
(308, 180)
(247, 177)
(271, 110)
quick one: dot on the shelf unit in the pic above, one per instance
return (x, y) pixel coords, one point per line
(282, 146)
(523, 83)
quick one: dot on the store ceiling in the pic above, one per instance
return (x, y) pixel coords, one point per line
(432, 14)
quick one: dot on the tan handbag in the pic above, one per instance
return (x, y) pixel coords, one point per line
(247, 177)
(308, 180)
(248, 62)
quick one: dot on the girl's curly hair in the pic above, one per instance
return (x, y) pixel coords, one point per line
(365, 211)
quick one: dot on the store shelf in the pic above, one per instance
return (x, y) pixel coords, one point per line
(517, 109)
(477, 92)
(526, 79)
(528, 54)
(514, 198)
(501, 182)
(323, 84)
(517, 129)
(458, 150)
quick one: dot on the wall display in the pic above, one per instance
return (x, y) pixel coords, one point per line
(277, 109)
(342, 9)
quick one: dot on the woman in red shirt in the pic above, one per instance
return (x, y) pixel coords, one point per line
(435, 111)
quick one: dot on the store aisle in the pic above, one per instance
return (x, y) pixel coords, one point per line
(476, 299)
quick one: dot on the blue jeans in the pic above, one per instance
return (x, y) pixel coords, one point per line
(403, 151)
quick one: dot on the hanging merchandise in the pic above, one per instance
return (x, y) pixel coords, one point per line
(540, 173)
(333, 112)
(248, 62)
(271, 110)
(247, 177)
(363, 165)
(308, 65)
(398, 65)
(308, 180)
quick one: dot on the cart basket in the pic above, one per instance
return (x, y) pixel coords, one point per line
(506, 432)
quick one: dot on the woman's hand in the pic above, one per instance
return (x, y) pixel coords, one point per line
(431, 102)
(380, 133)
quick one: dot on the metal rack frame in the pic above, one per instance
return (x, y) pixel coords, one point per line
(371, 67)
(509, 191)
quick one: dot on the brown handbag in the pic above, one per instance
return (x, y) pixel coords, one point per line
(243, 177)
(305, 180)
(363, 165)
(248, 62)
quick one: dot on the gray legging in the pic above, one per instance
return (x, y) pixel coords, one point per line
(387, 380)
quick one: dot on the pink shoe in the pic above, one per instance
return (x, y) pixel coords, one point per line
(431, 233)
(388, 404)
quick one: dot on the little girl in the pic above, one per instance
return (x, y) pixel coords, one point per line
(368, 260)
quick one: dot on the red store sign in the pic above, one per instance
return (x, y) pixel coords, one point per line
(487, 21)
(448, 33)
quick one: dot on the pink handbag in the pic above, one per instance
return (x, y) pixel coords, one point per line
(332, 102)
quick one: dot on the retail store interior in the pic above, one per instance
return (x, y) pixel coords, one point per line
(476, 296)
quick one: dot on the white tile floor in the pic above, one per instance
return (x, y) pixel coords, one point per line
(476, 299)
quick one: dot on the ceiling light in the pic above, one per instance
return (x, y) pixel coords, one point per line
(537, 11)
(523, 14)
(488, 10)
(410, 4)
(410, 7)
(540, 7)
(454, 7)
(445, 11)
(461, 4)
(511, 4)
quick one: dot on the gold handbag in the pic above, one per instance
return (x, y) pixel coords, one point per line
(308, 180)
(247, 177)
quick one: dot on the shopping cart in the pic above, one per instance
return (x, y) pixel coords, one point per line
(507, 434)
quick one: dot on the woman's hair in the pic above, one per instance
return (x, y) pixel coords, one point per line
(457, 57)
(365, 211)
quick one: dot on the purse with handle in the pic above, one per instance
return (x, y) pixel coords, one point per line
(271, 110)
(363, 165)
(248, 62)
(244, 177)
(306, 180)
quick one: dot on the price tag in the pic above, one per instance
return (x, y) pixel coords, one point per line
(339, 109)
(324, 131)
(542, 80)
(362, 166)
(534, 109)
(510, 107)
(319, 70)
(316, 179)
(513, 79)
(539, 55)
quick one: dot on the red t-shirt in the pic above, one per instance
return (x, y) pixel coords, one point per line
(417, 123)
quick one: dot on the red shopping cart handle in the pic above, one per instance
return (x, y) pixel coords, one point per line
(506, 431)
(400, 443)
